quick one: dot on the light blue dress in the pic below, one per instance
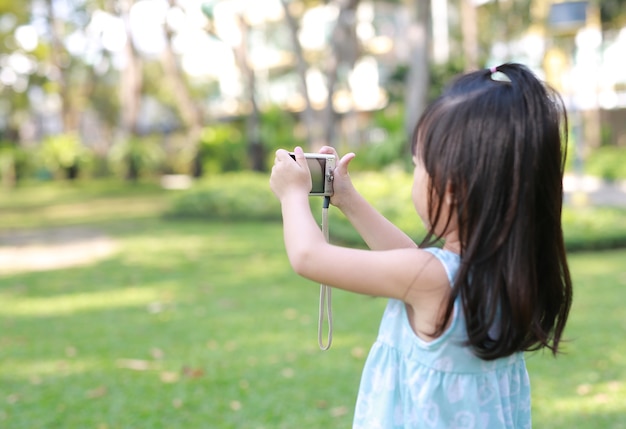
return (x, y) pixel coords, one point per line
(411, 383)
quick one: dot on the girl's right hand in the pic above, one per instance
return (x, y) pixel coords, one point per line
(289, 175)
(342, 185)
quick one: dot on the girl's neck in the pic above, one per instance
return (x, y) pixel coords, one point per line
(452, 243)
(453, 247)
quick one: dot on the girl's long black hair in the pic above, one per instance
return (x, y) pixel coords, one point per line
(499, 145)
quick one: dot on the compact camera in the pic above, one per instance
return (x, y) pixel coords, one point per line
(322, 167)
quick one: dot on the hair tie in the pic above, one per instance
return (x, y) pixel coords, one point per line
(497, 75)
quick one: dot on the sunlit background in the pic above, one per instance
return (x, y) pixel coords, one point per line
(143, 280)
(103, 80)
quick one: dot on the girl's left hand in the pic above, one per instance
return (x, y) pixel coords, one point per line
(289, 175)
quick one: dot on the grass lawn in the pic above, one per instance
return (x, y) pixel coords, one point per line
(190, 324)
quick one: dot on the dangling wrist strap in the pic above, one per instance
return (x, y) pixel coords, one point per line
(325, 291)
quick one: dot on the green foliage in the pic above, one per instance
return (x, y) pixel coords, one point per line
(223, 148)
(14, 163)
(64, 155)
(279, 130)
(442, 74)
(571, 161)
(388, 143)
(179, 154)
(613, 13)
(235, 196)
(607, 162)
(136, 157)
(390, 193)
(590, 228)
(396, 83)
(247, 196)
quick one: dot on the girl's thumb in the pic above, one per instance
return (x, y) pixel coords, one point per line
(342, 167)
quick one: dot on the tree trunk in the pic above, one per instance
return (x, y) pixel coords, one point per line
(418, 77)
(131, 79)
(190, 112)
(345, 50)
(314, 132)
(60, 60)
(131, 84)
(469, 29)
(253, 119)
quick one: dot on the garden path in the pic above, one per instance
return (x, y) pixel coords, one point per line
(52, 248)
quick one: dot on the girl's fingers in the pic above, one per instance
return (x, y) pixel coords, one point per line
(342, 164)
(328, 150)
(300, 159)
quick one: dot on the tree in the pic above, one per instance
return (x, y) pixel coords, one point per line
(131, 88)
(60, 61)
(344, 51)
(131, 77)
(241, 54)
(418, 76)
(190, 111)
(14, 15)
(506, 20)
(469, 30)
(612, 13)
(308, 115)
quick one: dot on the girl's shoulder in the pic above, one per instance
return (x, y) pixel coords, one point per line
(449, 260)
(435, 269)
(430, 291)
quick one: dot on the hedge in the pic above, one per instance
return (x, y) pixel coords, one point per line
(247, 197)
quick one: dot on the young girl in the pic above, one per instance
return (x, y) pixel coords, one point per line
(489, 159)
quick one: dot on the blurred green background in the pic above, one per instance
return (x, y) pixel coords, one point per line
(143, 280)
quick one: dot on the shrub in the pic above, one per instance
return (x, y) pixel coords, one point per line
(386, 141)
(231, 196)
(607, 162)
(280, 130)
(136, 157)
(390, 193)
(223, 148)
(594, 228)
(247, 196)
(14, 163)
(64, 155)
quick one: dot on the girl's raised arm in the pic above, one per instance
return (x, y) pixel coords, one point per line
(377, 231)
(402, 273)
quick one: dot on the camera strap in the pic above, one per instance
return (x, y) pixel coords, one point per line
(325, 291)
